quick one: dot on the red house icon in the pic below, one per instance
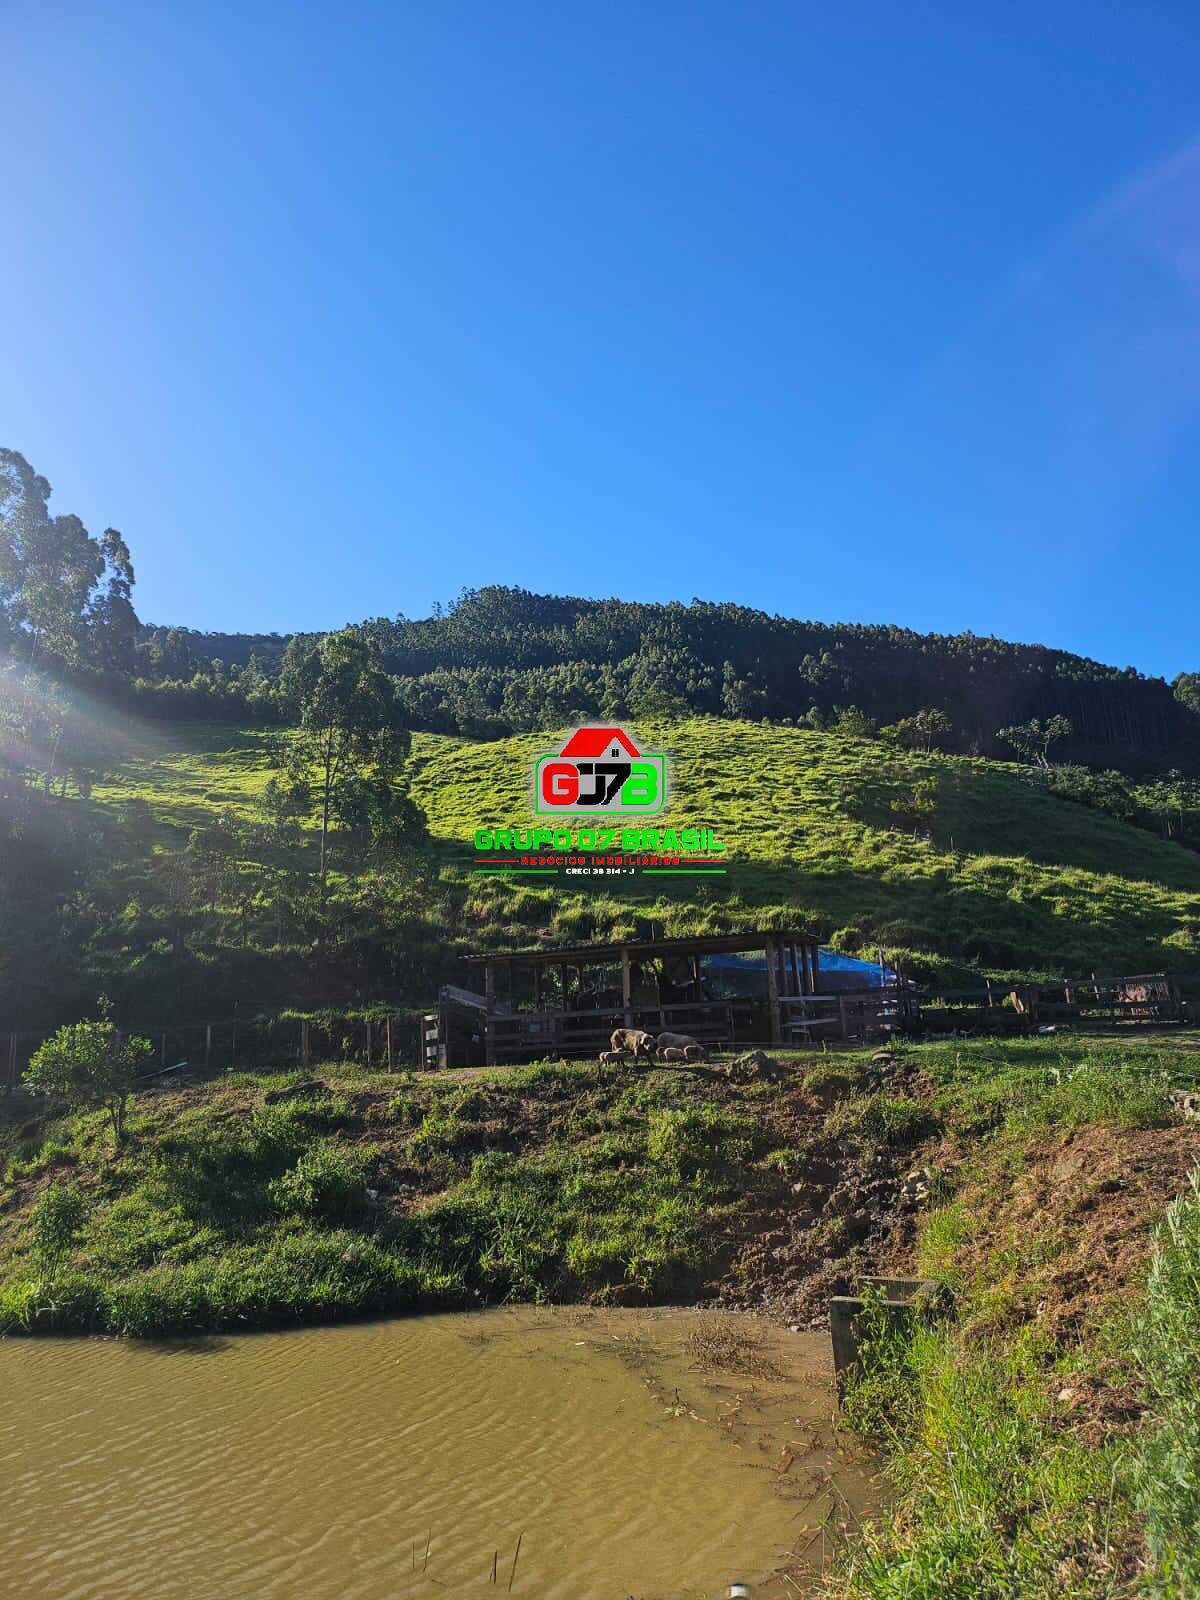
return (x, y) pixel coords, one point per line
(588, 744)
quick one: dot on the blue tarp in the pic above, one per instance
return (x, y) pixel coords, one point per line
(845, 971)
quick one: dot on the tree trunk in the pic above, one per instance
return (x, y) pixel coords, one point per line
(325, 814)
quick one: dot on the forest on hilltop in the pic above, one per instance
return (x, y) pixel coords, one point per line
(502, 660)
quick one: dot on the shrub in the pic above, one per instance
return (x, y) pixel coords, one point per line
(325, 1182)
(89, 1064)
(58, 1216)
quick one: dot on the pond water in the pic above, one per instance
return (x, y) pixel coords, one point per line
(408, 1457)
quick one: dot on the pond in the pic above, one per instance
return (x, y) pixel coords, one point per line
(655, 1454)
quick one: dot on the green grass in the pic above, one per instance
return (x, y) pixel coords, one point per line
(999, 1490)
(1167, 1341)
(995, 1500)
(1004, 876)
(222, 1211)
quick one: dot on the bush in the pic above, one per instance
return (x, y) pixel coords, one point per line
(58, 1216)
(325, 1183)
(89, 1064)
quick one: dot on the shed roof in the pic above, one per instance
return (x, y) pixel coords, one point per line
(697, 944)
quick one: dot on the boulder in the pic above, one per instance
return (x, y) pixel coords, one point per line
(754, 1064)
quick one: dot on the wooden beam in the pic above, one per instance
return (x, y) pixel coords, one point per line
(627, 988)
(772, 954)
(489, 1037)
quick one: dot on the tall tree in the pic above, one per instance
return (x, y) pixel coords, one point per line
(1032, 740)
(62, 592)
(349, 727)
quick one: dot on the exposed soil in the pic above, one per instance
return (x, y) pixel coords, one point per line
(1089, 1200)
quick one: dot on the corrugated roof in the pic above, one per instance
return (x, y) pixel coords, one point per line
(698, 944)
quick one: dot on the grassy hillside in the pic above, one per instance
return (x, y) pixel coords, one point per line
(996, 874)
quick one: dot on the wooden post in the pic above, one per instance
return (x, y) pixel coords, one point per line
(369, 1040)
(773, 990)
(12, 1063)
(489, 1033)
(304, 1043)
(842, 1016)
(207, 1046)
(627, 988)
(391, 1054)
(162, 1050)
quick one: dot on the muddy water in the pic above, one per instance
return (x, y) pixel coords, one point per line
(402, 1458)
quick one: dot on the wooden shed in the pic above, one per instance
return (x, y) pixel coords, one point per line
(566, 999)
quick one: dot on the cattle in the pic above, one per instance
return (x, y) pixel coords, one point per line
(634, 1040)
(670, 1052)
(611, 1058)
(693, 1052)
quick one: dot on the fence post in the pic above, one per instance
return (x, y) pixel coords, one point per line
(12, 1063)
(368, 1044)
(207, 1045)
(391, 1054)
(304, 1051)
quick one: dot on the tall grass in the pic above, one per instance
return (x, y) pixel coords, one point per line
(994, 1500)
(1168, 1349)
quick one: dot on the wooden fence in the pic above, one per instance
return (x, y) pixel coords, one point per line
(391, 1041)
(386, 1042)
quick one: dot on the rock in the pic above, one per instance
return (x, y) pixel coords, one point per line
(754, 1064)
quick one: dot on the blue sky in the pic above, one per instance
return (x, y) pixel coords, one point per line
(870, 313)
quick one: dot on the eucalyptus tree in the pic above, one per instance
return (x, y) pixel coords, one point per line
(350, 744)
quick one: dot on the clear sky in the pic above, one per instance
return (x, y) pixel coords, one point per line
(858, 313)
